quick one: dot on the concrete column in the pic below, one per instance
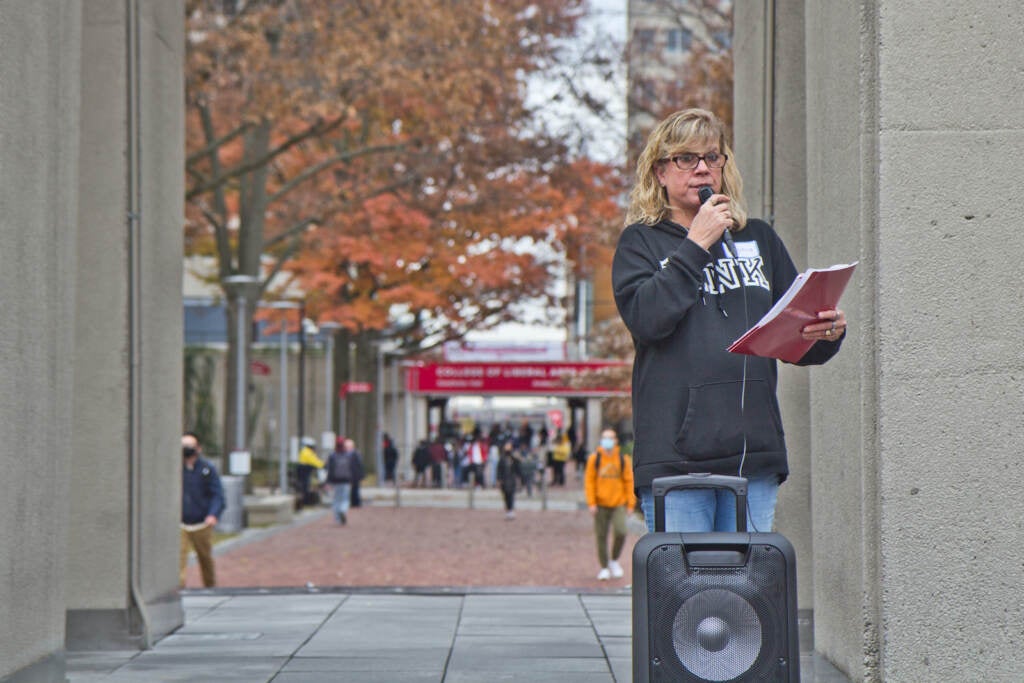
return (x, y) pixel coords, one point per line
(841, 222)
(126, 496)
(39, 136)
(769, 132)
(944, 227)
(594, 424)
(911, 167)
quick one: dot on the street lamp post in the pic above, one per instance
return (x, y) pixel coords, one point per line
(380, 414)
(239, 282)
(282, 429)
(328, 328)
(410, 440)
(382, 354)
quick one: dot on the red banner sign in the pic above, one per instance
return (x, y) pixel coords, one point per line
(354, 388)
(258, 367)
(587, 378)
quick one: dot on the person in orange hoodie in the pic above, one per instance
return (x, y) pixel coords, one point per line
(608, 484)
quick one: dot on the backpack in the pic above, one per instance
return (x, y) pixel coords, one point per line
(622, 462)
(341, 467)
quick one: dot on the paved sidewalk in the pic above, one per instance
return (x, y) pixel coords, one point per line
(382, 638)
(311, 602)
(373, 637)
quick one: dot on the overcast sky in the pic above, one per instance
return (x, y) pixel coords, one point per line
(605, 140)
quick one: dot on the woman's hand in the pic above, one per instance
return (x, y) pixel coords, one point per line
(831, 327)
(711, 221)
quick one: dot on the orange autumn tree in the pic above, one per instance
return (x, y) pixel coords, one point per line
(424, 269)
(380, 150)
(418, 270)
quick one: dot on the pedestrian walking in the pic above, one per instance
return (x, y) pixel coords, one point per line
(438, 459)
(359, 472)
(420, 463)
(342, 469)
(608, 485)
(476, 453)
(202, 502)
(561, 449)
(491, 464)
(507, 474)
(528, 466)
(390, 457)
(309, 463)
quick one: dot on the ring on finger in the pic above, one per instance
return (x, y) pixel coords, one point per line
(828, 333)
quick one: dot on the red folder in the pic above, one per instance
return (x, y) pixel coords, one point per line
(777, 334)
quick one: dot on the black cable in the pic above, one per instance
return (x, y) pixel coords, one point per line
(743, 391)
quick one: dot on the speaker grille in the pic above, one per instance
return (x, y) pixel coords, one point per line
(717, 623)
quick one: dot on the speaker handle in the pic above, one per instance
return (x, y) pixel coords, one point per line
(703, 480)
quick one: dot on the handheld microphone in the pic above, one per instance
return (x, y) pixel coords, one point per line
(704, 194)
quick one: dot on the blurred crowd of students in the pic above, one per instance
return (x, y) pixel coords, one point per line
(475, 458)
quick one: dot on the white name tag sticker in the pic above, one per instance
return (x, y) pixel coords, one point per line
(747, 250)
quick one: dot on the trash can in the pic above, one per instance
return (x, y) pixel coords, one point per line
(232, 519)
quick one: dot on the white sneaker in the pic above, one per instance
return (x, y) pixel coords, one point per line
(616, 569)
(604, 574)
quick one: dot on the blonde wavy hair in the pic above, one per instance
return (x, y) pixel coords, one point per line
(683, 131)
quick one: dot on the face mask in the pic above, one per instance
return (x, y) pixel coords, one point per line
(607, 444)
(187, 451)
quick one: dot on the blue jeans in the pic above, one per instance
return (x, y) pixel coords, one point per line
(715, 509)
(342, 499)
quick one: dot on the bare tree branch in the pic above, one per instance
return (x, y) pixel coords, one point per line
(293, 231)
(212, 147)
(220, 231)
(317, 129)
(282, 258)
(316, 169)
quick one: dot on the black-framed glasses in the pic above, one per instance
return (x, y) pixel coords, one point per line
(687, 161)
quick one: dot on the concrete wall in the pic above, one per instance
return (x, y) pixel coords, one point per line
(126, 470)
(841, 225)
(913, 119)
(38, 202)
(950, 135)
(91, 364)
(161, 209)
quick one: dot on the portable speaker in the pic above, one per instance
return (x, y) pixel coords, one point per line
(713, 606)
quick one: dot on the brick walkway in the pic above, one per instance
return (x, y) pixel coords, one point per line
(424, 546)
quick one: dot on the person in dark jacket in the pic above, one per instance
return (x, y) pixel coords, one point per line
(357, 459)
(344, 467)
(202, 502)
(420, 462)
(685, 299)
(390, 457)
(508, 474)
(438, 459)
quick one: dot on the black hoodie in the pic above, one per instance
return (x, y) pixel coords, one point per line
(684, 307)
